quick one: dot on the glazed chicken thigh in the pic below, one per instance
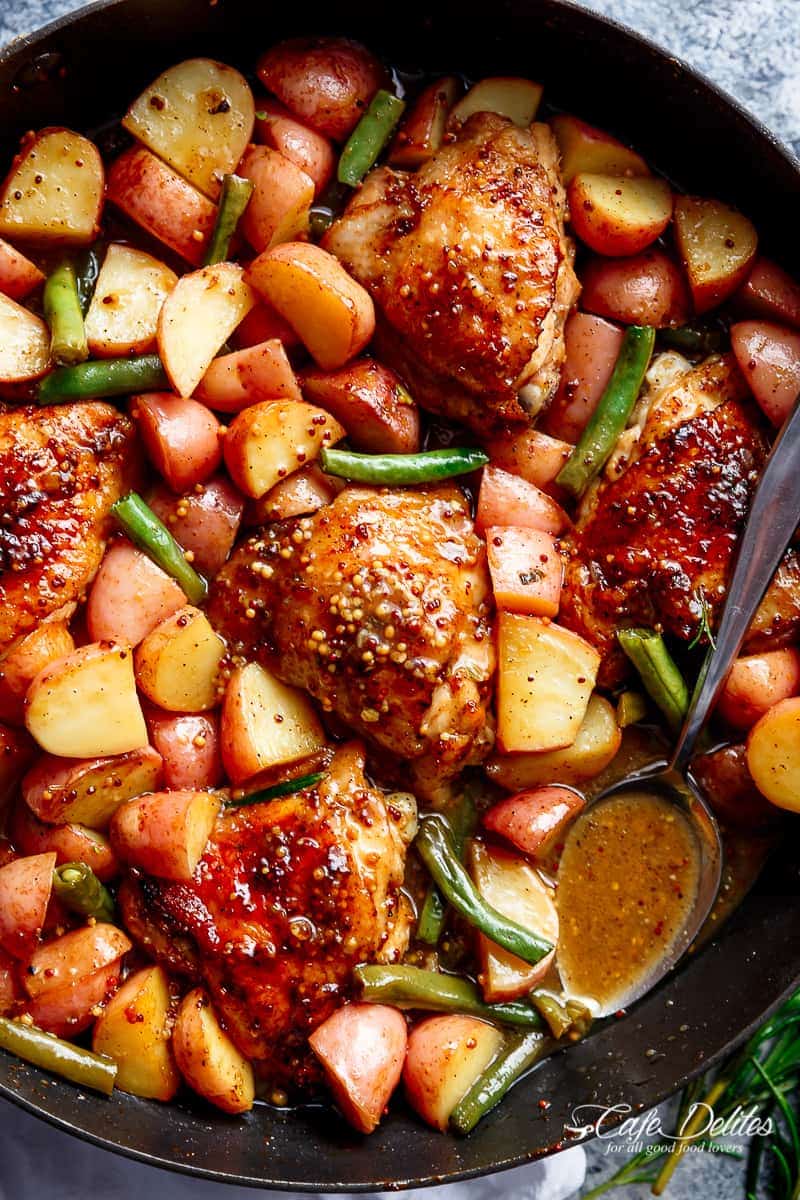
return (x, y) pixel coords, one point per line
(470, 270)
(378, 604)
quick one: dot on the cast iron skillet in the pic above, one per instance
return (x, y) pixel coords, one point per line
(84, 69)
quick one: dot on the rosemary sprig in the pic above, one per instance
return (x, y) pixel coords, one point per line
(704, 632)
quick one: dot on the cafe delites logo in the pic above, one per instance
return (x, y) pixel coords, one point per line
(625, 1133)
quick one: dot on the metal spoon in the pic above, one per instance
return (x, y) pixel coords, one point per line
(771, 524)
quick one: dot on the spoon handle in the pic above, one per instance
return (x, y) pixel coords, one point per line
(771, 523)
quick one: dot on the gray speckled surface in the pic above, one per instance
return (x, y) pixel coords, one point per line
(752, 49)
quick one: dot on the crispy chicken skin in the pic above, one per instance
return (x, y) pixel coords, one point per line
(470, 269)
(61, 469)
(378, 604)
(289, 896)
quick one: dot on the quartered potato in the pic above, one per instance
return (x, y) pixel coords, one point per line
(269, 441)
(54, 191)
(165, 833)
(422, 130)
(717, 245)
(127, 299)
(598, 740)
(208, 1059)
(24, 343)
(517, 99)
(134, 1030)
(89, 791)
(446, 1055)
(265, 724)
(177, 664)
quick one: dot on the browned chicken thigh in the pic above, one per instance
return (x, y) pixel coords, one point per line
(470, 270)
(378, 604)
(61, 469)
(289, 896)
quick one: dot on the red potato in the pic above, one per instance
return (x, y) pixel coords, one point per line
(179, 664)
(729, 788)
(308, 490)
(770, 293)
(769, 358)
(327, 81)
(181, 437)
(24, 344)
(646, 289)
(264, 324)
(265, 723)
(526, 570)
(68, 1010)
(204, 521)
(270, 440)
(129, 597)
(25, 888)
(87, 792)
(425, 124)
(23, 662)
(69, 843)
(445, 1056)
(310, 151)
(535, 821)
(134, 1030)
(506, 499)
(508, 95)
(362, 1048)
(162, 203)
(717, 245)
(756, 683)
(165, 833)
(370, 401)
(586, 148)
(18, 275)
(278, 210)
(73, 956)
(235, 381)
(532, 455)
(615, 215)
(772, 757)
(333, 315)
(17, 750)
(10, 990)
(54, 190)
(189, 746)
(208, 1059)
(592, 347)
(127, 299)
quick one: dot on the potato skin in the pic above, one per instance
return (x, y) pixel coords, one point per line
(162, 203)
(327, 82)
(208, 1059)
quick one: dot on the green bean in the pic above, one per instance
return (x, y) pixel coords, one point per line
(86, 273)
(320, 219)
(106, 377)
(435, 847)
(424, 467)
(369, 137)
(144, 529)
(431, 991)
(62, 311)
(78, 888)
(569, 1018)
(613, 412)
(662, 680)
(518, 1056)
(287, 788)
(233, 200)
(50, 1053)
(631, 707)
(693, 340)
(462, 818)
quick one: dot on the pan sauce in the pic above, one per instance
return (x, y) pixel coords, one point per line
(627, 881)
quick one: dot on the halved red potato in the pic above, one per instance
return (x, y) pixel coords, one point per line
(264, 324)
(178, 663)
(73, 956)
(24, 660)
(129, 597)
(260, 372)
(306, 491)
(208, 1059)
(189, 745)
(362, 1048)
(717, 245)
(162, 203)
(18, 275)
(69, 843)
(424, 125)
(592, 347)
(535, 821)
(25, 888)
(769, 358)
(310, 151)
(165, 833)
(333, 315)
(197, 317)
(88, 792)
(327, 81)
(127, 299)
(526, 569)
(729, 788)
(646, 289)
(619, 215)
(756, 683)
(769, 292)
(278, 210)
(24, 343)
(85, 704)
(265, 723)
(269, 441)
(68, 1010)
(772, 755)
(507, 95)
(54, 190)
(204, 521)
(512, 886)
(198, 117)
(181, 437)
(596, 745)
(445, 1056)
(10, 990)
(583, 147)
(134, 1030)
(505, 499)
(532, 455)
(370, 401)
(17, 750)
